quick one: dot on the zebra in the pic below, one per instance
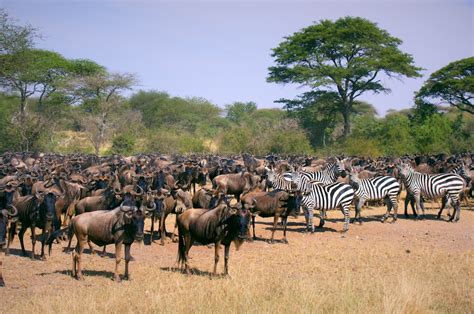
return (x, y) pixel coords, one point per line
(377, 188)
(463, 173)
(277, 181)
(322, 197)
(431, 186)
(327, 175)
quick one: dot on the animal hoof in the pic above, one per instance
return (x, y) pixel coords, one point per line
(117, 279)
(382, 220)
(285, 241)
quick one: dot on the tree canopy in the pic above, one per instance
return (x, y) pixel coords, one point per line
(452, 84)
(341, 59)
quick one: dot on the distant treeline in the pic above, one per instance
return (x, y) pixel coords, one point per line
(53, 104)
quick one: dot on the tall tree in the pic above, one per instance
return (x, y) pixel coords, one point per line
(238, 111)
(452, 84)
(345, 57)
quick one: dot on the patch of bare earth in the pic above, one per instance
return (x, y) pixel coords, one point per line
(410, 266)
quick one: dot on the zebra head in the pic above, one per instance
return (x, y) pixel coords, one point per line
(296, 178)
(405, 170)
(354, 176)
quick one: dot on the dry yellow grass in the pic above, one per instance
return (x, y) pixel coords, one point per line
(407, 267)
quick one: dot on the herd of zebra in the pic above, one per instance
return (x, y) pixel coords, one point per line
(320, 190)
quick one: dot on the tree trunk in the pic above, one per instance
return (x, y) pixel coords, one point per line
(347, 124)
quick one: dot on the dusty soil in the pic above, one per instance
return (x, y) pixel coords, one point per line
(405, 254)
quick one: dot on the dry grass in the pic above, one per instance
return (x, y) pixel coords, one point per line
(408, 267)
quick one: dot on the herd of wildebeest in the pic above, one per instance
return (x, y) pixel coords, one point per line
(106, 200)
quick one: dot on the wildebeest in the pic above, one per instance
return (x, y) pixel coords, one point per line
(276, 203)
(36, 211)
(223, 224)
(176, 203)
(122, 225)
(235, 183)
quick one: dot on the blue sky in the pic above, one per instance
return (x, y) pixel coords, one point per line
(220, 50)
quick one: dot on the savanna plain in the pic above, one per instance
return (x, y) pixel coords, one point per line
(407, 267)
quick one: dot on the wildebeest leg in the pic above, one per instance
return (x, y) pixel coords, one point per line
(44, 234)
(174, 229)
(20, 235)
(285, 221)
(345, 211)
(253, 227)
(118, 258)
(11, 235)
(2, 283)
(226, 259)
(217, 246)
(188, 244)
(77, 256)
(127, 260)
(33, 241)
(152, 227)
(275, 222)
(163, 227)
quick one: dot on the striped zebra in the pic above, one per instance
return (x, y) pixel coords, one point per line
(322, 197)
(373, 189)
(327, 175)
(277, 180)
(463, 173)
(432, 186)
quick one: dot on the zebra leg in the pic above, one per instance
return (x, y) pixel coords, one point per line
(418, 206)
(457, 210)
(444, 202)
(322, 215)
(389, 207)
(407, 200)
(358, 208)
(395, 207)
(310, 220)
(345, 211)
(306, 217)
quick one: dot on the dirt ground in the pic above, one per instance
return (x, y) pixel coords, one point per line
(408, 266)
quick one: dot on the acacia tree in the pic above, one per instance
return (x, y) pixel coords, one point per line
(102, 106)
(345, 58)
(452, 84)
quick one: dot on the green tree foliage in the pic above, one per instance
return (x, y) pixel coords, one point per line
(240, 111)
(14, 37)
(452, 84)
(123, 144)
(344, 58)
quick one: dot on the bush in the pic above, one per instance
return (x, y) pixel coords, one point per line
(123, 144)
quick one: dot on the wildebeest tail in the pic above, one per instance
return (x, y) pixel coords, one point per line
(181, 247)
(2, 283)
(70, 234)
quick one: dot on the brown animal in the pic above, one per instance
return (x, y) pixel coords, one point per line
(122, 225)
(235, 183)
(223, 224)
(276, 203)
(176, 203)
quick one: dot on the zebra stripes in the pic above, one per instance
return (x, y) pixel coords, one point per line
(327, 175)
(379, 188)
(432, 186)
(322, 197)
(277, 180)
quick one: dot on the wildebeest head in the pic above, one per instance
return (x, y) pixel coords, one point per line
(6, 215)
(134, 220)
(241, 217)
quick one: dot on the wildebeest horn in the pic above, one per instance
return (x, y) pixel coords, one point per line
(14, 212)
(127, 208)
(138, 194)
(38, 194)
